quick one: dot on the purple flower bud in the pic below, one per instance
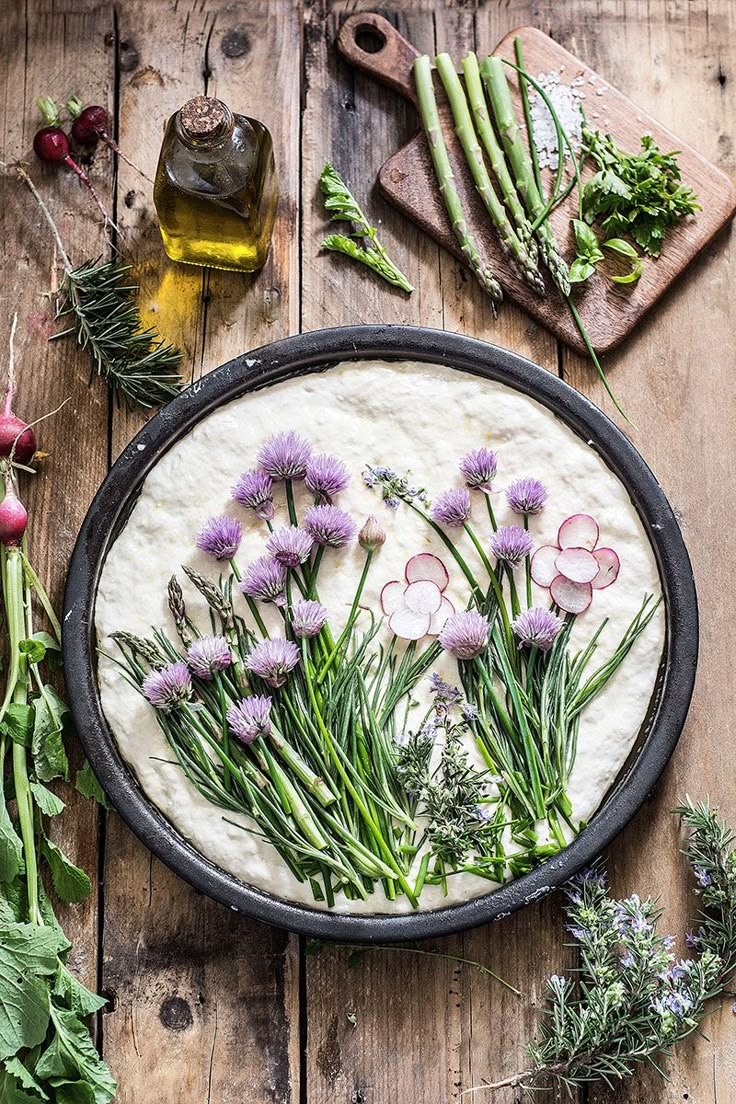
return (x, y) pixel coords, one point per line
(207, 655)
(329, 525)
(371, 536)
(250, 718)
(452, 507)
(264, 579)
(290, 546)
(220, 537)
(465, 635)
(479, 468)
(526, 496)
(254, 490)
(510, 544)
(537, 628)
(285, 455)
(273, 661)
(168, 688)
(326, 476)
(307, 618)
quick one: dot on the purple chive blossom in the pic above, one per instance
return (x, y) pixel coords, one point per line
(168, 688)
(307, 618)
(479, 468)
(207, 655)
(273, 660)
(526, 496)
(326, 476)
(220, 537)
(285, 455)
(465, 635)
(329, 525)
(452, 507)
(250, 718)
(265, 580)
(254, 490)
(510, 544)
(537, 628)
(290, 546)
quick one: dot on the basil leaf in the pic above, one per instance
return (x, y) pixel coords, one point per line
(630, 277)
(620, 245)
(586, 239)
(580, 270)
(71, 884)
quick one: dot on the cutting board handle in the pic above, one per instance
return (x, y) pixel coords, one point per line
(371, 43)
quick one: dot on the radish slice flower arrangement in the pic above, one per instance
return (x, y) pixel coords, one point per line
(342, 743)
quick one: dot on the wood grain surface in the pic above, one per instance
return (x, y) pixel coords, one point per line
(205, 1006)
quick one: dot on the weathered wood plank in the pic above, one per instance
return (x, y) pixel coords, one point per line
(40, 48)
(674, 380)
(192, 980)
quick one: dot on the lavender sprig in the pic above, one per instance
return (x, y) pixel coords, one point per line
(632, 999)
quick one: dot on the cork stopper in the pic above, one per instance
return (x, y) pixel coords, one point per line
(203, 118)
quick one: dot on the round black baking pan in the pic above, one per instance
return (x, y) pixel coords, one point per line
(315, 352)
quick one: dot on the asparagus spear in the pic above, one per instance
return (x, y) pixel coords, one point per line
(491, 145)
(465, 131)
(499, 95)
(446, 178)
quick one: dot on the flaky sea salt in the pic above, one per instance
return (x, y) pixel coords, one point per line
(566, 101)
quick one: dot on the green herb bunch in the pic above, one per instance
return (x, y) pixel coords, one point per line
(631, 1000)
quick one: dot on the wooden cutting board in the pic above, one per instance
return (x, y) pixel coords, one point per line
(609, 311)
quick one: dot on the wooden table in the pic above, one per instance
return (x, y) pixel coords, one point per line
(205, 1006)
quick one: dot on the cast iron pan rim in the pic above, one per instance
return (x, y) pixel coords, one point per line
(290, 357)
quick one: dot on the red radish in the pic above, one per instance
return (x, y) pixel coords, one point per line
(423, 597)
(409, 625)
(609, 565)
(51, 144)
(571, 597)
(543, 565)
(13, 518)
(579, 531)
(92, 124)
(392, 596)
(429, 567)
(17, 439)
(437, 624)
(578, 565)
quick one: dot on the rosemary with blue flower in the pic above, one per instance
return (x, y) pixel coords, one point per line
(310, 733)
(631, 999)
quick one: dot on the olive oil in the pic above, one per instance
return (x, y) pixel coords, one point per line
(216, 189)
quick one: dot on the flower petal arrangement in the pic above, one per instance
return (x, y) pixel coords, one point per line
(343, 735)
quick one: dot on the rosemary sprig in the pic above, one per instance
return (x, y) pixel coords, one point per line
(632, 1000)
(363, 245)
(96, 299)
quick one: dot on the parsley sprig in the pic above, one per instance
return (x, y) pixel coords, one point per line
(639, 195)
(362, 245)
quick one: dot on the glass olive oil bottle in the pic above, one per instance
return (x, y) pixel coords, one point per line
(216, 189)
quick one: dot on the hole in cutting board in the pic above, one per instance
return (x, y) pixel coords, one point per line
(369, 40)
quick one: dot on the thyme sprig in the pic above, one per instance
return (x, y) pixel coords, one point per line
(632, 1000)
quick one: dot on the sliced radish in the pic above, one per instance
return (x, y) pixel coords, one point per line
(543, 564)
(578, 565)
(429, 567)
(423, 597)
(409, 625)
(579, 531)
(609, 565)
(571, 597)
(437, 624)
(392, 596)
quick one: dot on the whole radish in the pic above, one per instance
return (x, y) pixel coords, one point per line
(17, 439)
(92, 124)
(51, 144)
(13, 516)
